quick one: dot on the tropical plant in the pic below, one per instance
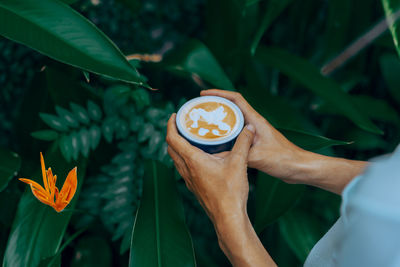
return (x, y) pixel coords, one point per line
(69, 91)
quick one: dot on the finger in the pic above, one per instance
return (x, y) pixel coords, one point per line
(240, 150)
(221, 154)
(179, 163)
(249, 113)
(182, 147)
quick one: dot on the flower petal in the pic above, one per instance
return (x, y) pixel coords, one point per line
(52, 183)
(34, 184)
(38, 191)
(45, 182)
(67, 191)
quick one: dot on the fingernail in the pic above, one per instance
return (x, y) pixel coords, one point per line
(251, 128)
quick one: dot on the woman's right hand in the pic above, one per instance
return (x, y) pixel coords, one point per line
(271, 152)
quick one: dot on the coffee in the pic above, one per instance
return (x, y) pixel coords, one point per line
(210, 122)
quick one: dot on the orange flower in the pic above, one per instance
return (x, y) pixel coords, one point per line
(46, 195)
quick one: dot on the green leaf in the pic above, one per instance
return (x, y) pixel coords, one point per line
(54, 122)
(273, 199)
(65, 147)
(273, 9)
(84, 142)
(46, 135)
(121, 129)
(392, 8)
(67, 117)
(135, 123)
(56, 259)
(145, 132)
(376, 109)
(309, 76)
(108, 128)
(10, 163)
(94, 111)
(87, 76)
(56, 30)
(301, 231)
(160, 236)
(80, 113)
(38, 230)
(338, 24)
(365, 141)
(141, 98)
(155, 141)
(95, 136)
(75, 145)
(390, 67)
(310, 141)
(195, 58)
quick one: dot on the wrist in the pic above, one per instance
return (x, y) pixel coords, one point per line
(229, 216)
(231, 227)
(292, 166)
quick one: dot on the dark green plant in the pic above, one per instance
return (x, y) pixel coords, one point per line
(275, 53)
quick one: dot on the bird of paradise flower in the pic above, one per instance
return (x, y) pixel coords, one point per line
(50, 191)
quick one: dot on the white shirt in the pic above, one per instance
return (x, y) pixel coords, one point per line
(367, 234)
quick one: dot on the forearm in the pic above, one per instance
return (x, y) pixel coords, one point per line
(329, 173)
(240, 243)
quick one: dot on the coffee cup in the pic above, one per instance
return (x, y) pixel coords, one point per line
(211, 123)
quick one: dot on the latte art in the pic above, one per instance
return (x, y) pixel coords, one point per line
(211, 123)
(210, 120)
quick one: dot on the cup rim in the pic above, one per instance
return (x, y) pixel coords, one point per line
(205, 99)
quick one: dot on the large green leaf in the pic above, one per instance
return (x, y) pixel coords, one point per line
(390, 67)
(37, 229)
(195, 58)
(273, 9)
(160, 236)
(310, 141)
(274, 197)
(376, 109)
(301, 231)
(392, 9)
(55, 259)
(309, 76)
(9, 166)
(338, 23)
(56, 30)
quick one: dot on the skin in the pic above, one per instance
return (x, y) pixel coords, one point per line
(219, 181)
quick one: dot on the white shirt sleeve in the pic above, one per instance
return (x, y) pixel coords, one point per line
(371, 217)
(368, 232)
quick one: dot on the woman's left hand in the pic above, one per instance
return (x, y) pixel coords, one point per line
(219, 181)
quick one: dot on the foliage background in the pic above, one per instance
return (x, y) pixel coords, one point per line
(115, 127)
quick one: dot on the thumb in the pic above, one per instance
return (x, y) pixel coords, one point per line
(243, 143)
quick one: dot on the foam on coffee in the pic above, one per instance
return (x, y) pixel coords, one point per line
(210, 120)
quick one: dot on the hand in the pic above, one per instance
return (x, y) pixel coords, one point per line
(271, 152)
(219, 181)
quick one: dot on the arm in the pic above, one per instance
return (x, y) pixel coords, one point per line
(329, 173)
(221, 186)
(240, 243)
(272, 153)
